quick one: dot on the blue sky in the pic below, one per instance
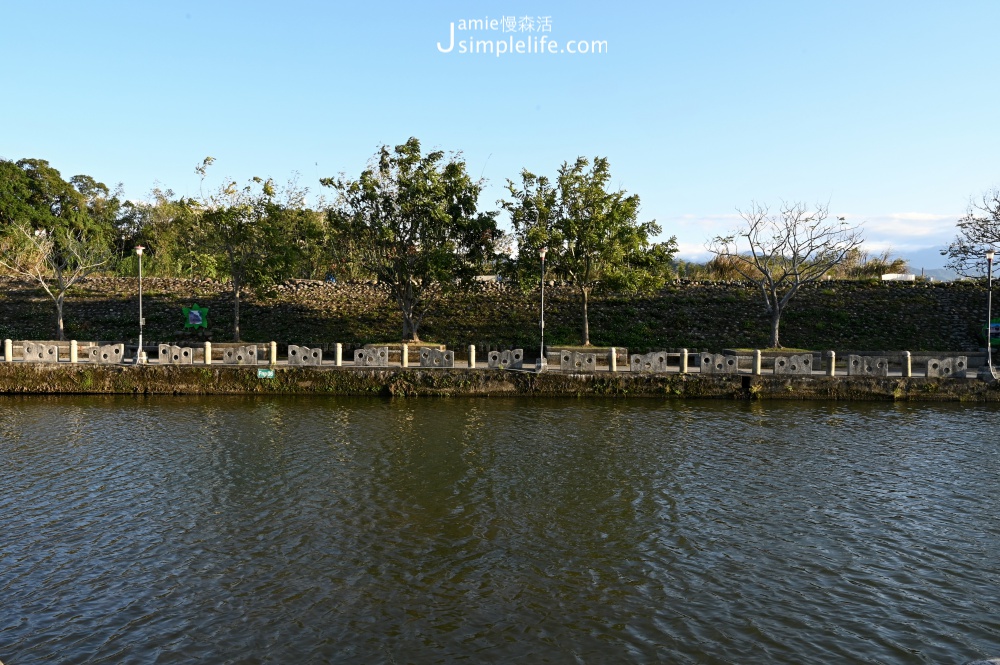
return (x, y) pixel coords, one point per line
(886, 110)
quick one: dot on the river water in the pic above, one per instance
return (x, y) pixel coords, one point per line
(311, 530)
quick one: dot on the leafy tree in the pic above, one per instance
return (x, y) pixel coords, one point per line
(978, 231)
(52, 231)
(413, 223)
(15, 197)
(168, 228)
(256, 239)
(35, 194)
(103, 206)
(781, 253)
(593, 235)
(234, 225)
(302, 242)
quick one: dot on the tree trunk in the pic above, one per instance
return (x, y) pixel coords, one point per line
(405, 303)
(586, 321)
(775, 320)
(236, 313)
(60, 329)
(409, 330)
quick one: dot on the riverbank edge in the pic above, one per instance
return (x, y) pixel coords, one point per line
(54, 379)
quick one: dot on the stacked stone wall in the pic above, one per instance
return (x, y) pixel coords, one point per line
(701, 316)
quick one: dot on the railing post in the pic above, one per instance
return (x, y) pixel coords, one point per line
(73, 352)
(472, 356)
(339, 354)
(273, 359)
(831, 363)
(208, 353)
(907, 364)
(613, 360)
(756, 362)
(404, 356)
(684, 361)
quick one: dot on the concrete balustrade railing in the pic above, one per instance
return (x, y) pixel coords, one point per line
(613, 359)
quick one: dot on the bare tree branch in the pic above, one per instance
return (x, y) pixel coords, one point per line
(55, 260)
(781, 253)
(978, 231)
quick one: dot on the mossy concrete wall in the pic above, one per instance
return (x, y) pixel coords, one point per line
(36, 378)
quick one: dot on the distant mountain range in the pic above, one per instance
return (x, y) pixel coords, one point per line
(929, 263)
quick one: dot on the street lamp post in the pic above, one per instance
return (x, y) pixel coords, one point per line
(541, 360)
(989, 310)
(142, 321)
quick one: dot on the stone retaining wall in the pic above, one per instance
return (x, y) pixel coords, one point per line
(699, 316)
(32, 378)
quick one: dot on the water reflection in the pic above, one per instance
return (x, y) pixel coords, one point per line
(345, 530)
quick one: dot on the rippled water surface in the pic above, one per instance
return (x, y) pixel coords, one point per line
(434, 531)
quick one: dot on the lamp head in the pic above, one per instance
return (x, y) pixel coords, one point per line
(138, 249)
(541, 253)
(989, 255)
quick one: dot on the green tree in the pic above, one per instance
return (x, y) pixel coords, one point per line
(782, 253)
(413, 223)
(234, 225)
(34, 193)
(256, 239)
(16, 197)
(302, 239)
(52, 231)
(168, 228)
(593, 235)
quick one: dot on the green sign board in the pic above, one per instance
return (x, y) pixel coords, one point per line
(265, 373)
(195, 316)
(994, 332)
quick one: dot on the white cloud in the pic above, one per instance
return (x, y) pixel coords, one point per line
(909, 226)
(899, 232)
(692, 252)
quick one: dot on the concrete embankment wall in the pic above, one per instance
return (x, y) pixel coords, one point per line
(36, 378)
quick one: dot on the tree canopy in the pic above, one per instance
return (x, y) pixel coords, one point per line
(593, 235)
(53, 231)
(168, 228)
(34, 193)
(411, 220)
(257, 238)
